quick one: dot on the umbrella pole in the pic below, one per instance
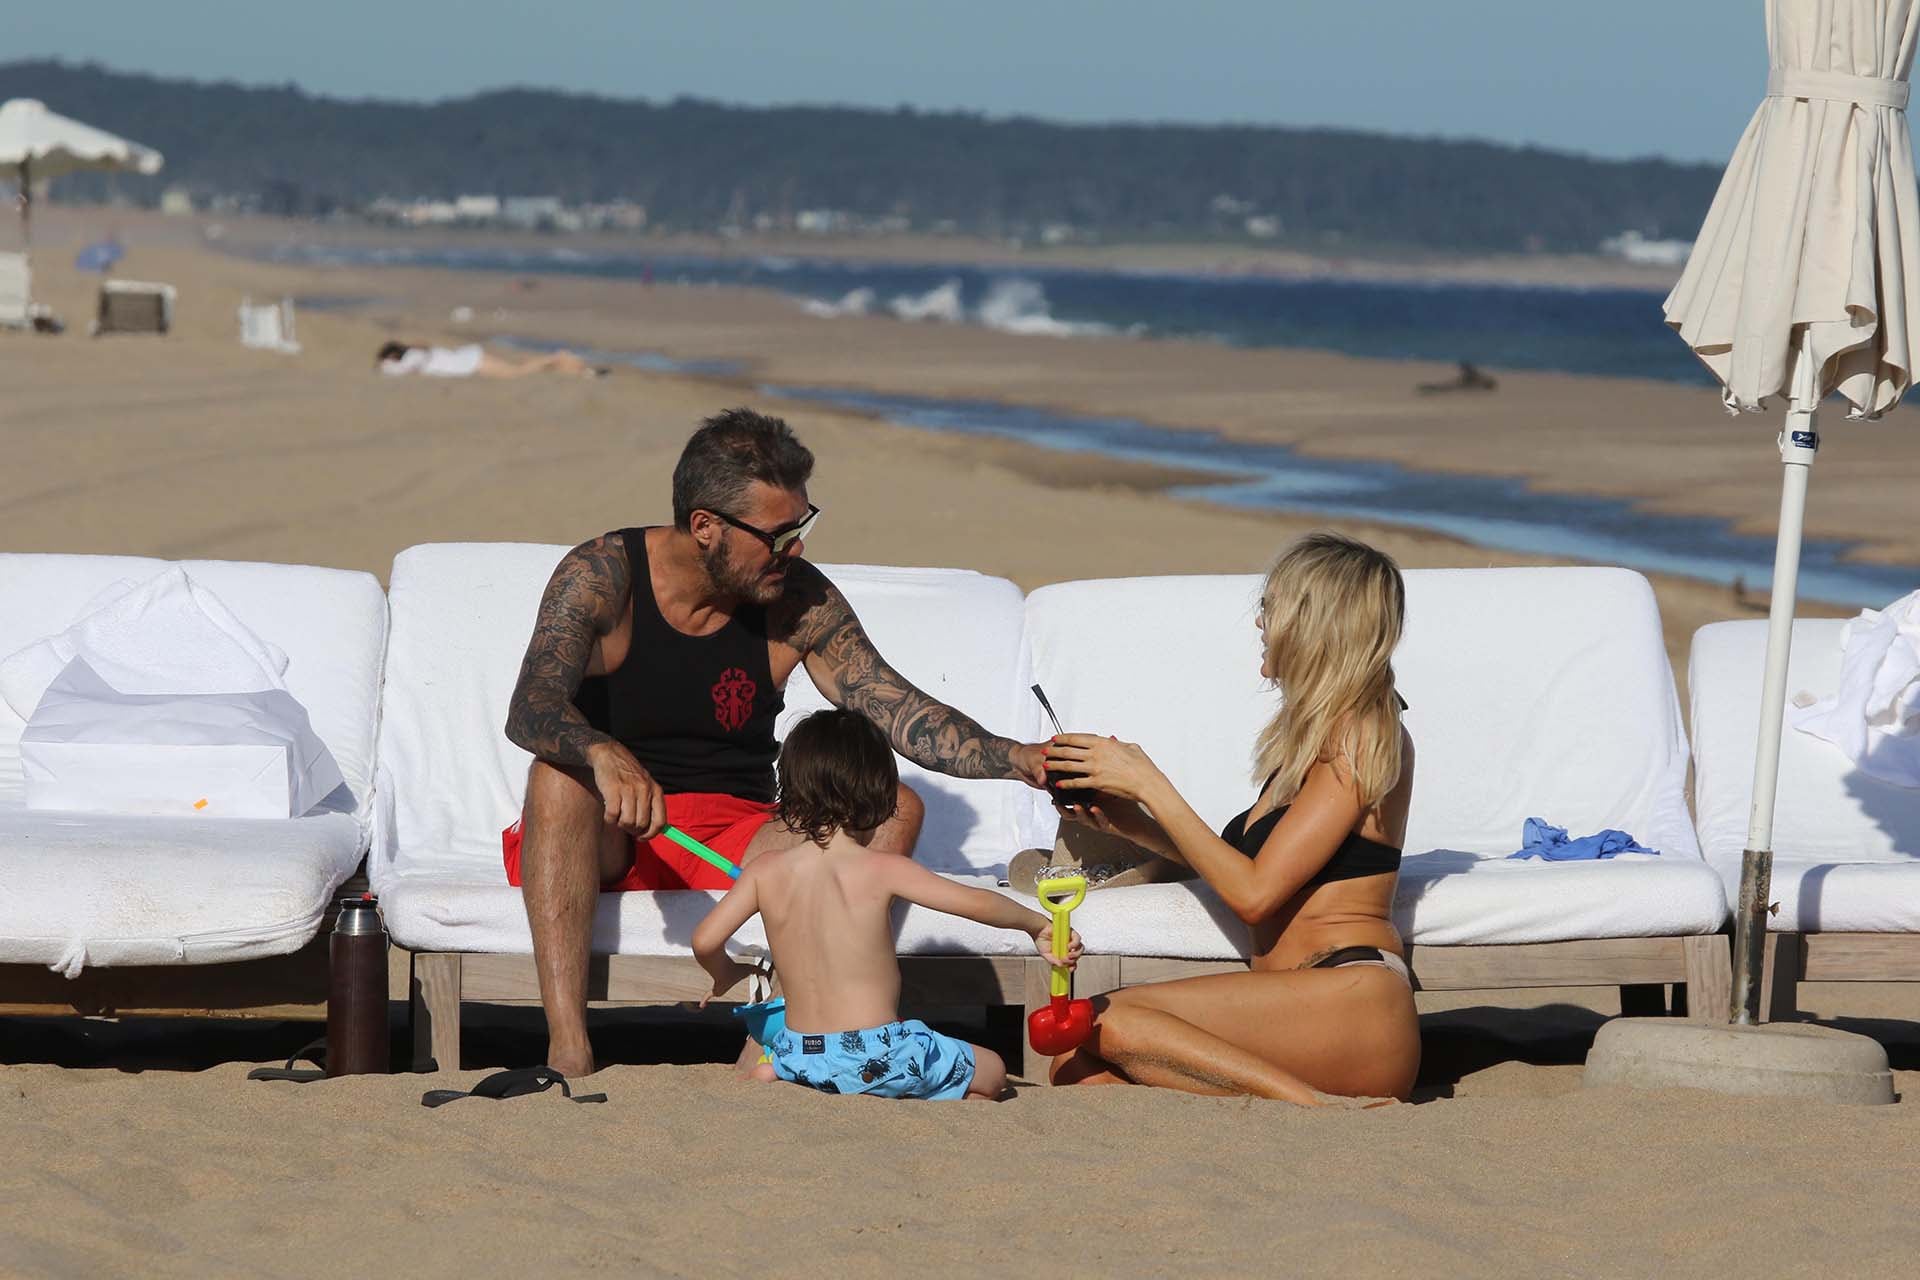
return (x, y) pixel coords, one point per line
(1799, 443)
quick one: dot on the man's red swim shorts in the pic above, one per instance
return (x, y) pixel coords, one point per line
(725, 824)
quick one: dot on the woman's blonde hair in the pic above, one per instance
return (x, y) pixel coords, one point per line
(1333, 609)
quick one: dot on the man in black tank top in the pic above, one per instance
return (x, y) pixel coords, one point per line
(650, 688)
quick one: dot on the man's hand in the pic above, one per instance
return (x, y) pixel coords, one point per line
(634, 801)
(1028, 762)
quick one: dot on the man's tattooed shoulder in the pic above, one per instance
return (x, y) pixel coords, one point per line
(809, 611)
(595, 576)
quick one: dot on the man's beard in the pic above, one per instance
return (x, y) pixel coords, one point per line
(730, 579)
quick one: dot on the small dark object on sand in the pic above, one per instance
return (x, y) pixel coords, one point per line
(1470, 379)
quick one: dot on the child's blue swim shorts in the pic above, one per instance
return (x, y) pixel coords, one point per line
(898, 1060)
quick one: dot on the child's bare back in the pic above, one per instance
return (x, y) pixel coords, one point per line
(828, 917)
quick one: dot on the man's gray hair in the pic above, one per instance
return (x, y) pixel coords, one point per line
(727, 454)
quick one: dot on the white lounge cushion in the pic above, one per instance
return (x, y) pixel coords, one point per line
(95, 889)
(109, 890)
(1846, 845)
(462, 614)
(428, 914)
(1443, 899)
(1532, 692)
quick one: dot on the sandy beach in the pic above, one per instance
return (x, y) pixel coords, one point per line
(142, 1147)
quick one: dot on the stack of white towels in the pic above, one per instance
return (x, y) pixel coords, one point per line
(160, 701)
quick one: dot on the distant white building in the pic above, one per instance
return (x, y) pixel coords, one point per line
(1635, 247)
(529, 211)
(430, 213)
(819, 222)
(477, 208)
(176, 201)
(1263, 226)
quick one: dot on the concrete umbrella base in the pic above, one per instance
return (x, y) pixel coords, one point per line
(1773, 1060)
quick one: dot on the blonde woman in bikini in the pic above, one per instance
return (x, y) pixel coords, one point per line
(1327, 1008)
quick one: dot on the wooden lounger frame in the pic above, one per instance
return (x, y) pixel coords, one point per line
(1793, 958)
(441, 981)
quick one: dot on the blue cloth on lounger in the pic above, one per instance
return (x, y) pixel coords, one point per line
(1541, 839)
(897, 1060)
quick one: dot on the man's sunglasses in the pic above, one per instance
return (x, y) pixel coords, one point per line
(778, 540)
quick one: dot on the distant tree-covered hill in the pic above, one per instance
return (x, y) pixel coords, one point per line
(695, 164)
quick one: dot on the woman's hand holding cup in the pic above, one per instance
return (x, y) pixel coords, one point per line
(1083, 767)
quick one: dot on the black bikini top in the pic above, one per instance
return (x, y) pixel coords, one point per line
(1357, 855)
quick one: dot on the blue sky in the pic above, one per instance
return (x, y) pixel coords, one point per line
(1622, 78)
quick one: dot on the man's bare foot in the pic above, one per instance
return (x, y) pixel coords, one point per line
(571, 1063)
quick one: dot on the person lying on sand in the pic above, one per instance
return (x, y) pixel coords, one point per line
(475, 361)
(826, 903)
(1327, 1008)
(656, 669)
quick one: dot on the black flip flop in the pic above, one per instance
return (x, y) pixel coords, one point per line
(516, 1082)
(315, 1053)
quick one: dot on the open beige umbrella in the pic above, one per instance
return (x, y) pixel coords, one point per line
(1799, 286)
(38, 144)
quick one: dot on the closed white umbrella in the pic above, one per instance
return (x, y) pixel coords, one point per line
(1799, 286)
(37, 143)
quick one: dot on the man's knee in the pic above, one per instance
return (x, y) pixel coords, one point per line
(910, 811)
(560, 794)
(901, 832)
(564, 817)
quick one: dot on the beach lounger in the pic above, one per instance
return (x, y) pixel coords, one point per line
(18, 310)
(134, 306)
(450, 781)
(1532, 692)
(1846, 862)
(268, 326)
(16, 292)
(134, 915)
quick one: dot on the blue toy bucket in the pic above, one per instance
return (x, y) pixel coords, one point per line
(765, 1019)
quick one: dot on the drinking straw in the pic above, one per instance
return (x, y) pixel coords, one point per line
(701, 851)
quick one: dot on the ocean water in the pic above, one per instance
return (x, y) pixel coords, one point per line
(1603, 332)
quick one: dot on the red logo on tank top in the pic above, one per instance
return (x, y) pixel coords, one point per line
(733, 699)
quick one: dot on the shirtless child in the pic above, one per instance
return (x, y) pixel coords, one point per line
(825, 903)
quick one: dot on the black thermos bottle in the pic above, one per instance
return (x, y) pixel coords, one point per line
(357, 1042)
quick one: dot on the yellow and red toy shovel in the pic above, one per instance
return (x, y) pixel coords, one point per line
(1063, 1025)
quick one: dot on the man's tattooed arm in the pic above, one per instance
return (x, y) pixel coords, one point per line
(815, 618)
(582, 602)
